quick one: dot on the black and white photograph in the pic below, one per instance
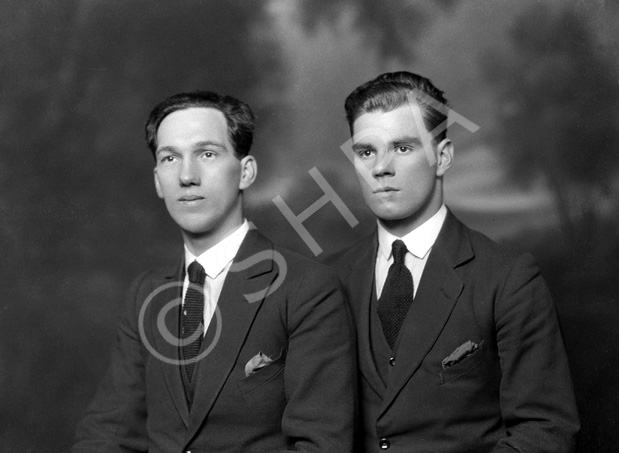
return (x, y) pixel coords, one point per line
(345, 226)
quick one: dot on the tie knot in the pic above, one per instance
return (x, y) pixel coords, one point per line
(196, 273)
(398, 248)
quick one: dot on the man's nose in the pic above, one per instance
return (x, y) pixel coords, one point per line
(383, 165)
(189, 173)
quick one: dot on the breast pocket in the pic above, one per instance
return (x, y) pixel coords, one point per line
(464, 366)
(268, 380)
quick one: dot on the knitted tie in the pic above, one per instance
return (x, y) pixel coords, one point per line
(397, 294)
(193, 316)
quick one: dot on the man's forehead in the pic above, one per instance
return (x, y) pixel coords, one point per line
(399, 123)
(191, 126)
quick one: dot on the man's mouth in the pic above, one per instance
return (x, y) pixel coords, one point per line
(190, 198)
(386, 189)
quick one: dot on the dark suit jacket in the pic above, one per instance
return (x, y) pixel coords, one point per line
(302, 401)
(514, 393)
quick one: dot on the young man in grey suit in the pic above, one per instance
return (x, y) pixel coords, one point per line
(239, 346)
(459, 347)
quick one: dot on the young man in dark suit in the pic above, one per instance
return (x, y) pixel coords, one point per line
(459, 346)
(239, 346)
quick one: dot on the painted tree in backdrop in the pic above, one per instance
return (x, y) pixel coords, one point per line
(558, 94)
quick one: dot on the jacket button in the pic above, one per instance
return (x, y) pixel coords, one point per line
(384, 444)
(392, 361)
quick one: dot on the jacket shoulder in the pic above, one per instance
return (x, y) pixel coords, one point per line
(302, 267)
(490, 251)
(351, 254)
(492, 263)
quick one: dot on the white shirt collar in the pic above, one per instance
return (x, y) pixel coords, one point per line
(419, 241)
(215, 259)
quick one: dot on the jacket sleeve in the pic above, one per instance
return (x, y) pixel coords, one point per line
(320, 368)
(536, 394)
(115, 420)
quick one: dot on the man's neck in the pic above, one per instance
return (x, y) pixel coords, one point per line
(197, 244)
(401, 227)
(418, 241)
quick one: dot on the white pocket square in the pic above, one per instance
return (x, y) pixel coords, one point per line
(464, 350)
(258, 361)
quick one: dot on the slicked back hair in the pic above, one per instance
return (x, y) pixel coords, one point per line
(239, 117)
(394, 89)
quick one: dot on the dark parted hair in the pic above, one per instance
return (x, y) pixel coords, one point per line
(394, 89)
(239, 117)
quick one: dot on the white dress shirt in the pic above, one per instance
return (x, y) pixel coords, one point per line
(216, 262)
(419, 243)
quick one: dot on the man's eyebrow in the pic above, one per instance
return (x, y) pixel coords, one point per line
(407, 141)
(362, 146)
(165, 148)
(200, 145)
(415, 141)
(207, 143)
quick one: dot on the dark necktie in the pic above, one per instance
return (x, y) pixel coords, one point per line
(397, 294)
(193, 316)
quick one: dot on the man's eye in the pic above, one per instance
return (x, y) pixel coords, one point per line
(208, 154)
(365, 153)
(166, 159)
(403, 149)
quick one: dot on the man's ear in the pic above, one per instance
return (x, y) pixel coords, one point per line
(444, 156)
(157, 185)
(249, 171)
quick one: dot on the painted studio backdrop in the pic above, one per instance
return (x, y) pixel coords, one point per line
(79, 217)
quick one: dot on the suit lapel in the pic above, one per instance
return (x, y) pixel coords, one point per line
(168, 289)
(252, 272)
(360, 285)
(436, 297)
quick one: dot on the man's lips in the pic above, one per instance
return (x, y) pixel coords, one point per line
(386, 190)
(190, 198)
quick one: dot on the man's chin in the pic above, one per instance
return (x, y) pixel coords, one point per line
(388, 215)
(395, 220)
(197, 230)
